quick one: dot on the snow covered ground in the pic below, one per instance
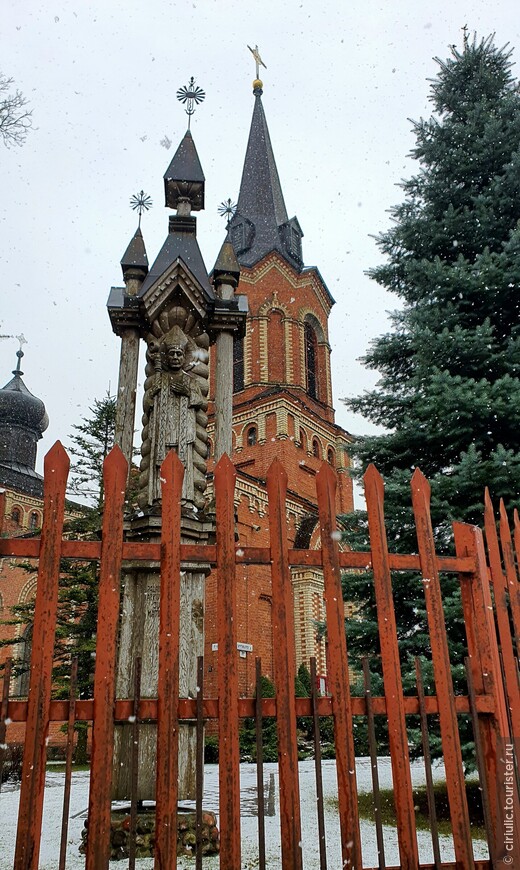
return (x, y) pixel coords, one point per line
(9, 799)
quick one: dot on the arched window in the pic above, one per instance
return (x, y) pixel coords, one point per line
(238, 364)
(276, 347)
(303, 439)
(311, 357)
(16, 515)
(251, 436)
(34, 520)
(331, 459)
(316, 448)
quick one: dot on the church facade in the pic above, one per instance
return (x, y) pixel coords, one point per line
(282, 407)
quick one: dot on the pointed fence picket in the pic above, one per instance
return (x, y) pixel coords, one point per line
(338, 674)
(510, 564)
(456, 785)
(56, 468)
(493, 692)
(486, 675)
(397, 734)
(166, 789)
(515, 585)
(229, 752)
(98, 844)
(284, 670)
(503, 583)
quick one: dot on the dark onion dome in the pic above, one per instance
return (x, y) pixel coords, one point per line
(18, 406)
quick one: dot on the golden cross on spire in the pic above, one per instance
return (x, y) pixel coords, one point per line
(258, 60)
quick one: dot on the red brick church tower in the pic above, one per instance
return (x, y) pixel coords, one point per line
(282, 406)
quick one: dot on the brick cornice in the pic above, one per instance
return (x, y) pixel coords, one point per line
(293, 405)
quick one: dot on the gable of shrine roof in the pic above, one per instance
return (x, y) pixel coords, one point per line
(176, 280)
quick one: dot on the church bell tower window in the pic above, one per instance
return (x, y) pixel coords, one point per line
(238, 237)
(310, 361)
(296, 243)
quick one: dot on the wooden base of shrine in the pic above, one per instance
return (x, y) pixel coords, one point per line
(120, 834)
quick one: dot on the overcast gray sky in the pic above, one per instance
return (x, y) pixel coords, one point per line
(341, 82)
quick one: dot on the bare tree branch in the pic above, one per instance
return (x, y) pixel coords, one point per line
(15, 119)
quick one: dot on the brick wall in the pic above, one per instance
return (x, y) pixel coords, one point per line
(289, 425)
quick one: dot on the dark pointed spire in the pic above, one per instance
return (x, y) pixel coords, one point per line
(260, 189)
(135, 255)
(260, 224)
(184, 178)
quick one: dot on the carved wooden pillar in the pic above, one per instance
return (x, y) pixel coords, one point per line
(126, 392)
(225, 279)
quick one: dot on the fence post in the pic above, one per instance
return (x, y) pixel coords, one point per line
(513, 585)
(229, 752)
(284, 669)
(98, 839)
(167, 766)
(442, 672)
(397, 734)
(500, 590)
(56, 469)
(515, 592)
(485, 667)
(338, 675)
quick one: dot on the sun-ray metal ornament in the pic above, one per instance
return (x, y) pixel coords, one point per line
(140, 202)
(190, 95)
(227, 209)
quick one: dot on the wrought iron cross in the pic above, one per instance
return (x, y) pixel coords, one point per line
(258, 60)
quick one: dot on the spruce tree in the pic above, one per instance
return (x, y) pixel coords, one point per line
(449, 392)
(92, 440)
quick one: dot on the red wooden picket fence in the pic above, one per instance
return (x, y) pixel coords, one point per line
(491, 607)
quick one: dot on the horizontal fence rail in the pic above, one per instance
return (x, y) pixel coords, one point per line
(490, 594)
(207, 553)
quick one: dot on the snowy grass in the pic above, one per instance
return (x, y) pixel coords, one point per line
(9, 800)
